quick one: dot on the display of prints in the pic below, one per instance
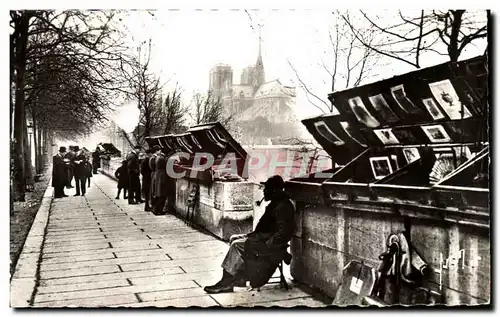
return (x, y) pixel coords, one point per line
(383, 108)
(386, 136)
(447, 97)
(360, 111)
(436, 133)
(328, 134)
(432, 108)
(411, 154)
(381, 166)
(347, 130)
(399, 95)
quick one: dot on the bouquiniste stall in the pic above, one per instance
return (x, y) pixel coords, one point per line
(213, 192)
(412, 156)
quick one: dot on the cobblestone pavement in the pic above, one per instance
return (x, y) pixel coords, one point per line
(98, 251)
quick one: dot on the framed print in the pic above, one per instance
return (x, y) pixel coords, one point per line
(433, 109)
(436, 133)
(411, 154)
(360, 111)
(383, 108)
(347, 129)
(386, 136)
(327, 133)
(447, 97)
(381, 166)
(399, 95)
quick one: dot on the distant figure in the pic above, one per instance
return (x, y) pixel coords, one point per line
(146, 179)
(88, 171)
(96, 159)
(59, 173)
(122, 175)
(69, 166)
(79, 161)
(134, 183)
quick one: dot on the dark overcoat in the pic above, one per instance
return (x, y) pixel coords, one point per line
(265, 246)
(160, 180)
(122, 175)
(59, 173)
(78, 161)
(146, 174)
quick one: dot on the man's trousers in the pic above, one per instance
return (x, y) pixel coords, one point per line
(234, 263)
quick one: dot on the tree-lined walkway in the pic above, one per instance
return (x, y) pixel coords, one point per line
(98, 251)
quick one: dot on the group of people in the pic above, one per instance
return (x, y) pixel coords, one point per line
(69, 165)
(157, 187)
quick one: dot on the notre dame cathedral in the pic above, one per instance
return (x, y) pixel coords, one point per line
(263, 111)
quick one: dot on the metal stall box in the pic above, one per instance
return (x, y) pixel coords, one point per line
(213, 191)
(414, 159)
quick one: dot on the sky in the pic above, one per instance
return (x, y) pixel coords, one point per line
(187, 43)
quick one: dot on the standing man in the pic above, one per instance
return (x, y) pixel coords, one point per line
(146, 179)
(69, 167)
(96, 159)
(59, 173)
(79, 161)
(159, 190)
(134, 187)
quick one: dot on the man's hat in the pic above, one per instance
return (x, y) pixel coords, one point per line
(275, 181)
(156, 148)
(76, 148)
(62, 149)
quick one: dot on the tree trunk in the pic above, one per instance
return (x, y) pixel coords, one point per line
(38, 151)
(19, 185)
(28, 166)
(456, 24)
(35, 139)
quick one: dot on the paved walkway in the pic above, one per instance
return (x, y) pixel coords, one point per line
(98, 251)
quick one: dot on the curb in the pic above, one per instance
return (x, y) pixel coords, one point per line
(24, 280)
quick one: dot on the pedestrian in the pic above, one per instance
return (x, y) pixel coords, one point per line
(256, 256)
(146, 179)
(59, 173)
(159, 184)
(122, 175)
(96, 159)
(79, 161)
(70, 155)
(88, 170)
(134, 183)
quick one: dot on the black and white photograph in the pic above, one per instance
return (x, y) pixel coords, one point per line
(436, 133)
(327, 133)
(383, 108)
(433, 109)
(399, 95)
(216, 156)
(386, 136)
(363, 115)
(381, 167)
(411, 154)
(445, 94)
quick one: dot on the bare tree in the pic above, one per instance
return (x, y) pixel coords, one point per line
(207, 109)
(446, 33)
(347, 63)
(174, 113)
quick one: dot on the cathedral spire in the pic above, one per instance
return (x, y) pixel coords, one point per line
(260, 77)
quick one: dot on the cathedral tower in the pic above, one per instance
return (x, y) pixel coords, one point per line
(259, 75)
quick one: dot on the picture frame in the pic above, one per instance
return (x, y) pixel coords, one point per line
(436, 133)
(361, 113)
(381, 166)
(446, 95)
(347, 128)
(411, 154)
(386, 136)
(325, 131)
(433, 109)
(383, 108)
(399, 95)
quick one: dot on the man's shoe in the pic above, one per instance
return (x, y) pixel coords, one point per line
(76, 195)
(132, 203)
(218, 288)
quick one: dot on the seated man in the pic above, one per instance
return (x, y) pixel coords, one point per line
(256, 256)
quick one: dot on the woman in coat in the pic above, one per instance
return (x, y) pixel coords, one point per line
(122, 175)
